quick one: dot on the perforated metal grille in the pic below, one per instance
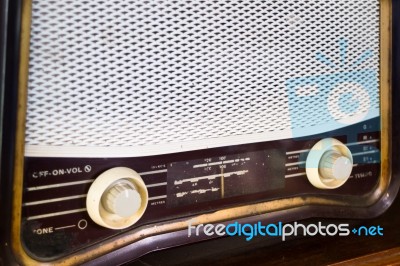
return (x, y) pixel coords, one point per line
(134, 73)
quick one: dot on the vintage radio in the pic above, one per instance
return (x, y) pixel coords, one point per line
(135, 119)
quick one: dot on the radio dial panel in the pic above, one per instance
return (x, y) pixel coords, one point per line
(71, 203)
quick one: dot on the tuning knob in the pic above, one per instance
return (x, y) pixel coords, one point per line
(335, 166)
(329, 164)
(117, 198)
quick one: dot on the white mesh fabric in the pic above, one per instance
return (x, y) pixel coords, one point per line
(136, 73)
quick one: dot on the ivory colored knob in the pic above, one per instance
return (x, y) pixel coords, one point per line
(329, 164)
(117, 198)
(336, 166)
(122, 199)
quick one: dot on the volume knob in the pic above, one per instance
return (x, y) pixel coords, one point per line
(117, 198)
(122, 199)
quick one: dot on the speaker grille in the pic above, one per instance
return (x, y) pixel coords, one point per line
(135, 73)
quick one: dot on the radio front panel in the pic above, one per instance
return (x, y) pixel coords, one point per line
(138, 118)
(182, 185)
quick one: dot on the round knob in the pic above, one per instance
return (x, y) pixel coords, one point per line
(335, 166)
(329, 164)
(122, 199)
(117, 198)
